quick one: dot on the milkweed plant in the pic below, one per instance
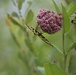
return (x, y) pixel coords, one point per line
(46, 39)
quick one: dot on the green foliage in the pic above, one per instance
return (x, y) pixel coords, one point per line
(72, 65)
(14, 3)
(53, 69)
(15, 39)
(68, 1)
(29, 17)
(41, 69)
(15, 22)
(14, 14)
(20, 2)
(71, 8)
(33, 53)
(66, 20)
(72, 46)
(29, 2)
(56, 7)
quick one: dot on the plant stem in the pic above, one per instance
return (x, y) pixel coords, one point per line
(63, 44)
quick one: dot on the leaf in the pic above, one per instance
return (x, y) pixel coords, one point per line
(72, 65)
(15, 22)
(71, 47)
(14, 14)
(41, 69)
(66, 20)
(52, 69)
(29, 2)
(15, 39)
(29, 16)
(71, 8)
(24, 29)
(56, 7)
(14, 2)
(20, 2)
(74, 2)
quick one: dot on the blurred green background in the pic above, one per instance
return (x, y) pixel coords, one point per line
(13, 60)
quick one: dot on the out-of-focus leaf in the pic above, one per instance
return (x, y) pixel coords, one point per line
(53, 69)
(20, 2)
(68, 1)
(27, 9)
(8, 21)
(74, 1)
(72, 65)
(14, 2)
(28, 43)
(72, 46)
(15, 22)
(29, 2)
(15, 39)
(66, 20)
(41, 69)
(71, 8)
(56, 7)
(29, 17)
(14, 14)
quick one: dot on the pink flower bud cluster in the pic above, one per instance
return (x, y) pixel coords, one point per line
(49, 22)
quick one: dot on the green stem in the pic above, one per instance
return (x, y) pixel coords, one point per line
(63, 49)
(65, 60)
(63, 44)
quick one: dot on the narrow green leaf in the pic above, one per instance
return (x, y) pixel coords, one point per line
(29, 2)
(29, 17)
(72, 65)
(41, 69)
(14, 2)
(66, 20)
(28, 43)
(53, 69)
(56, 7)
(15, 22)
(20, 2)
(72, 46)
(15, 39)
(71, 8)
(14, 14)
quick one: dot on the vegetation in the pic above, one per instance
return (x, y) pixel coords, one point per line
(36, 52)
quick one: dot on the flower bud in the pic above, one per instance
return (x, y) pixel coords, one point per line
(49, 22)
